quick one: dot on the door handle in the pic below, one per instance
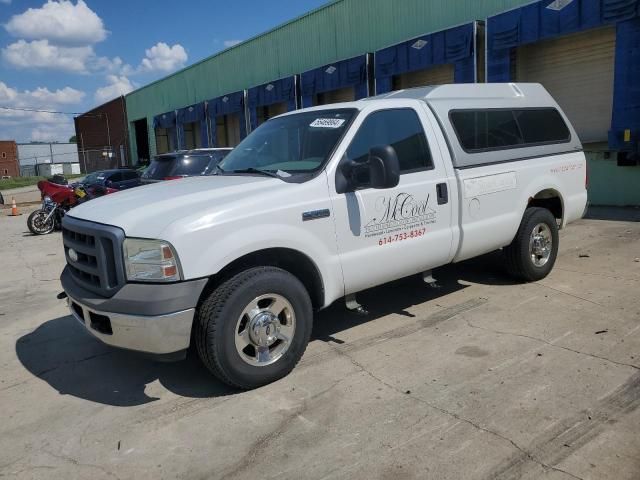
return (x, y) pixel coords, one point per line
(442, 193)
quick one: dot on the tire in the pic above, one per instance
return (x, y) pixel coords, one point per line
(36, 224)
(251, 297)
(526, 257)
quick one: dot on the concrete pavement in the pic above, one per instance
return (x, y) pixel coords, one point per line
(482, 378)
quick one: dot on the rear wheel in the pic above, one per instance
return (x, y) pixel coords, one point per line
(254, 328)
(38, 223)
(532, 253)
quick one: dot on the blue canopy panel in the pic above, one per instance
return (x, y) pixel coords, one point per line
(625, 123)
(191, 114)
(167, 120)
(553, 18)
(343, 74)
(452, 46)
(279, 91)
(226, 105)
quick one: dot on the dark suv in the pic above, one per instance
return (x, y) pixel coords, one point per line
(183, 163)
(119, 179)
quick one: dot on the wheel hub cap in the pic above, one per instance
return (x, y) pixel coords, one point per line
(540, 244)
(263, 329)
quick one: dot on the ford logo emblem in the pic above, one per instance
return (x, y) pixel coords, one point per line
(73, 255)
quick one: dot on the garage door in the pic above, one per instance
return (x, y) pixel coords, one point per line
(578, 71)
(270, 111)
(335, 96)
(228, 130)
(420, 78)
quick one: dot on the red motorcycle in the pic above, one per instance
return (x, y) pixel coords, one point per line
(59, 199)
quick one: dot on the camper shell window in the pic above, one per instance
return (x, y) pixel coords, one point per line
(483, 130)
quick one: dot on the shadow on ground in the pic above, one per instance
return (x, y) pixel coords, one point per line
(73, 362)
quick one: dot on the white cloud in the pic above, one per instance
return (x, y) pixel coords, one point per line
(40, 98)
(37, 126)
(53, 133)
(118, 85)
(41, 54)
(230, 43)
(6, 2)
(163, 58)
(113, 65)
(61, 22)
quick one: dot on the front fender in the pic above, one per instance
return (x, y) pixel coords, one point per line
(207, 253)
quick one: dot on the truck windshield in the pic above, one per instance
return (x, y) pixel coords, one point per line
(297, 143)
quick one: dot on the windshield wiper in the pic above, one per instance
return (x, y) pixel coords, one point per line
(268, 173)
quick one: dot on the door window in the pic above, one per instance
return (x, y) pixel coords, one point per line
(399, 128)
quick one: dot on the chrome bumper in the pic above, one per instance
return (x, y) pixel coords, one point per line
(160, 334)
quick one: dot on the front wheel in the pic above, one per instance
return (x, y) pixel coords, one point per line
(38, 223)
(532, 253)
(253, 328)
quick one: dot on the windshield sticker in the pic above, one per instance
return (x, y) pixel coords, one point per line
(327, 123)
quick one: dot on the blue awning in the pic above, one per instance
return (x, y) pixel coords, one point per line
(191, 114)
(346, 73)
(165, 120)
(553, 18)
(278, 91)
(226, 105)
(452, 46)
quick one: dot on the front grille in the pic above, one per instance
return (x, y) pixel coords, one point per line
(98, 265)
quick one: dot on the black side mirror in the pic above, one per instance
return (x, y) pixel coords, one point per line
(384, 168)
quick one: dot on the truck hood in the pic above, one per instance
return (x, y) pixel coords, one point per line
(147, 210)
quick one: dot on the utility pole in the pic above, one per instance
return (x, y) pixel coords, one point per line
(84, 153)
(108, 131)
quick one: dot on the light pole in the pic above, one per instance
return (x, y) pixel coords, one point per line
(108, 131)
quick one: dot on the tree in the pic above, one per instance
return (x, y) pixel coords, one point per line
(73, 139)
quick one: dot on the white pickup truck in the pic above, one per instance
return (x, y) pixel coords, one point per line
(319, 204)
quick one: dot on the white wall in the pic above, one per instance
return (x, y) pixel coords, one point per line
(36, 153)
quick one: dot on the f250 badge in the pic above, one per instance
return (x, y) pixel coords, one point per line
(398, 213)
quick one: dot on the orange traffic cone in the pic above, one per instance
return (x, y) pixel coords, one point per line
(14, 208)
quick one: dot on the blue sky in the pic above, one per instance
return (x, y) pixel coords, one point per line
(71, 55)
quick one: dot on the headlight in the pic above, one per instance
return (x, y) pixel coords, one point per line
(150, 261)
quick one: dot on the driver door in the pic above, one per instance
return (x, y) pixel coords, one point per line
(385, 234)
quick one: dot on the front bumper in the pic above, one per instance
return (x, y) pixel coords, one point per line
(150, 318)
(159, 334)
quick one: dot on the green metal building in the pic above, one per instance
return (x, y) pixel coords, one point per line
(379, 45)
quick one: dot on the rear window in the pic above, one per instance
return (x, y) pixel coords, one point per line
(496, 129)
(175, 166)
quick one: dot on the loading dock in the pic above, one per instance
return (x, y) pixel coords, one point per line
(447, 56)
(341, 81)
(578, 71)
(141, 130)
(227, 121)
(166, 132)
(271, 99)
(585, 53)
(192, 127)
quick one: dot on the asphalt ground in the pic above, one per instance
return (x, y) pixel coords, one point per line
(481, 378)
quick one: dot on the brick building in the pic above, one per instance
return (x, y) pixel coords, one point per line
(102, 136)
(9, 159)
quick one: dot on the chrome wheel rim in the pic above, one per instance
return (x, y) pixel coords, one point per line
(265, 329)
(540, 244)
(39, 224)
